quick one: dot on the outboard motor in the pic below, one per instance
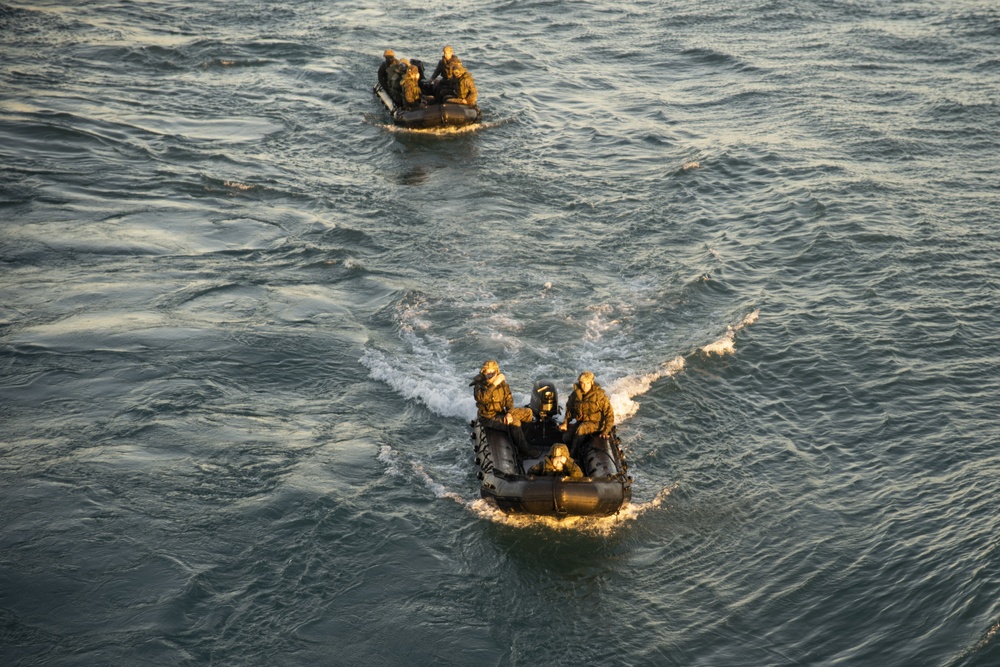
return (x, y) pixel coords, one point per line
(544, 400)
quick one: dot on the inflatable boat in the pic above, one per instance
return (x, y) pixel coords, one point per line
(431, 116)
(504, 474)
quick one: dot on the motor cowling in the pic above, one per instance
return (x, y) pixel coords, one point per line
(544, 399)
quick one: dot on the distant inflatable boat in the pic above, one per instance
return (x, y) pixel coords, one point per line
(431, 116)
(506, 482)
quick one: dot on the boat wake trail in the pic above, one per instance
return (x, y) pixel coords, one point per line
(438, 389)
(622, 391)
(395, 467)
(727, 344)
(439, 386)
(424, 373)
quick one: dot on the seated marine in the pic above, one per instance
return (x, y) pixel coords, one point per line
(557, 462)
(410, 88)
(495, 404)
(394, 79)
(461, 89)
(589, 406)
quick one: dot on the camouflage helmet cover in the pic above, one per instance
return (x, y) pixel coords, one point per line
(559, 449)
(490, 366)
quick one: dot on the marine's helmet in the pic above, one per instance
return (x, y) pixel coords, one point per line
(544, 399)
(389, 53)
(559, 449)
(490, 368)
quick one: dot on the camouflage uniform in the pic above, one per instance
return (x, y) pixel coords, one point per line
(553, 466)
(592, 411)
(394, 78)
(410, 88)
(495, 400)
(442, 67)
(464, 87)
(383, 69)
(444, 87)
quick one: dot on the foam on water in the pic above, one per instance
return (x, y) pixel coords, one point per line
(395, 467)
(441, 391)
(727, 344)
(593, 525)
(427, 375)
(436, 131)
(623, 390)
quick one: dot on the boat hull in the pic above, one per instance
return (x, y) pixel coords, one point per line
(505, 482)
(432, 116)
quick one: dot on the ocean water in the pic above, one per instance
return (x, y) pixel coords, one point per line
(239, 312)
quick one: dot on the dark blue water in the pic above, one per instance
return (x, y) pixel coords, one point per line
(239, 312)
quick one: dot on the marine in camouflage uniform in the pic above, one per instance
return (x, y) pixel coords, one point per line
(445, 86)
(390, 60)
(463, 88)
(394, 79)
(590, 407)
(495, 404)
(442, 66)
(410, 88)
(558, 462)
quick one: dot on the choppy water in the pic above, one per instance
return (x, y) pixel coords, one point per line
(239, 313)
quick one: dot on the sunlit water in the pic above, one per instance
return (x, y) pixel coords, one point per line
(240, 312)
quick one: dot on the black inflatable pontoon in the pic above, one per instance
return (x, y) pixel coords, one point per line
(429, 117)
(604, 489)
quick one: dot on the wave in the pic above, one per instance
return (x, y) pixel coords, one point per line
(426, 375)
(442, 392)
(622, 391)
